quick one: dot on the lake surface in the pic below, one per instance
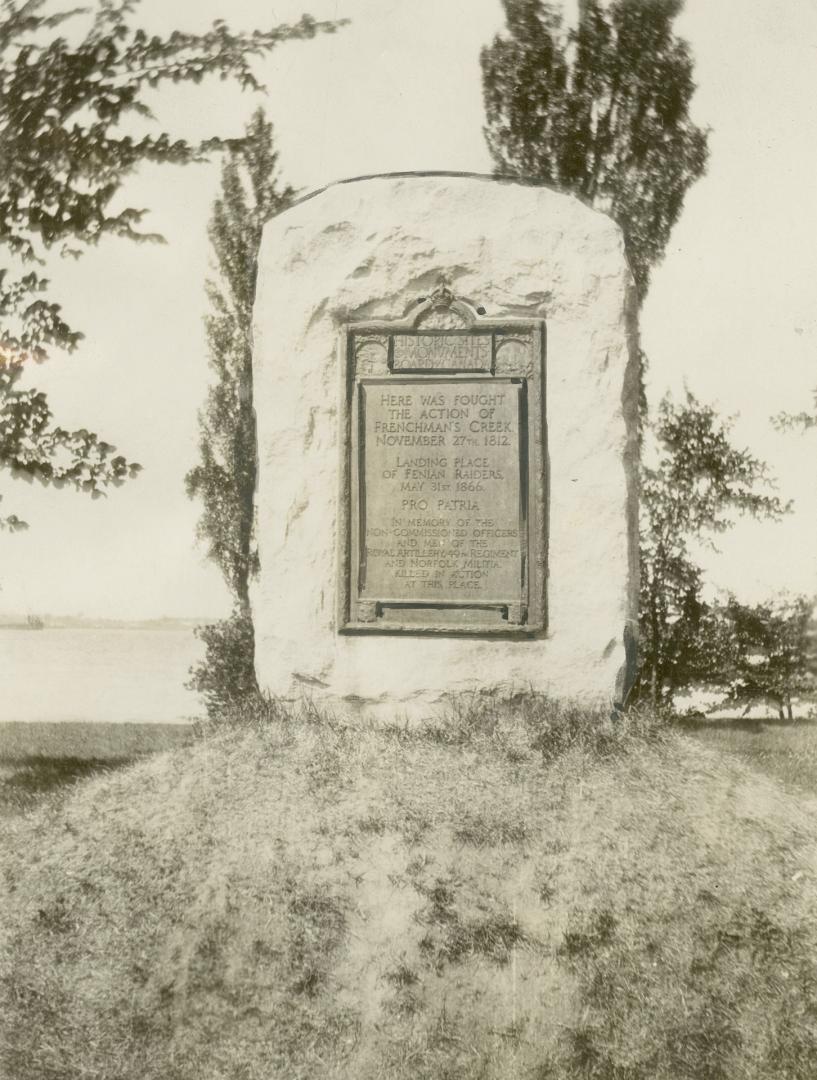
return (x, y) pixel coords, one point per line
(98, 675)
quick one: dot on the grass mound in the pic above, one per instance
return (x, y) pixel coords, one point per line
(521, 891)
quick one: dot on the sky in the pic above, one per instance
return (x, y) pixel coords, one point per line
(731, 314)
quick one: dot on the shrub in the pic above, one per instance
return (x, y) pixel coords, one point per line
(226, 677)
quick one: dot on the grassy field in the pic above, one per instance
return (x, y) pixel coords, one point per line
(42, 761)
(783, 749)
(518, 892)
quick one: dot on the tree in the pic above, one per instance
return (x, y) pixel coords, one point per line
(773, 657)
(32, 446)
(225, 477)
(693, 491)
(65, 153)
(601, 111)
(803, 420)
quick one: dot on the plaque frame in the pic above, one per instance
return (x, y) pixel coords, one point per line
(516, 355)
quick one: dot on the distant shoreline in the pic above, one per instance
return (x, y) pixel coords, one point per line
(70, 622)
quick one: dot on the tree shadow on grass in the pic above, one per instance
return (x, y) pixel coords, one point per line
(754, 725)
(26, 781)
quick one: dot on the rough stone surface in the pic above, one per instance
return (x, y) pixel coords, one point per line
(368, 249)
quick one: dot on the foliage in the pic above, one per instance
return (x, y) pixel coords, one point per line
(68, 108)
(225, 477)
(772, 652)
(803, 420)
(699, 482)
(601, 110)
(31, 446)
(226, 677)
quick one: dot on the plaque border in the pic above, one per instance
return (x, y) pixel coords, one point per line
(527, 617)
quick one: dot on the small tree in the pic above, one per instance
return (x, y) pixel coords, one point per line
(225, 477)
(773, 652)
(64, 158)
(697, 485)
(601, 111)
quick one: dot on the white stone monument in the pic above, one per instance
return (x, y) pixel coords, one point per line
(445, 385)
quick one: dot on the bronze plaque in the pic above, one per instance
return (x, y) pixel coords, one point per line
(442, 484)
(443, 523)
(442, 352)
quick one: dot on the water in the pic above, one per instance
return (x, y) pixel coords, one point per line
(97, 675)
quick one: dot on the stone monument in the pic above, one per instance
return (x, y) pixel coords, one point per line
(445, 387)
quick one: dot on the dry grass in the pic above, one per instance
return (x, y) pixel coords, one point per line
(522, 892)
(783, 749)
